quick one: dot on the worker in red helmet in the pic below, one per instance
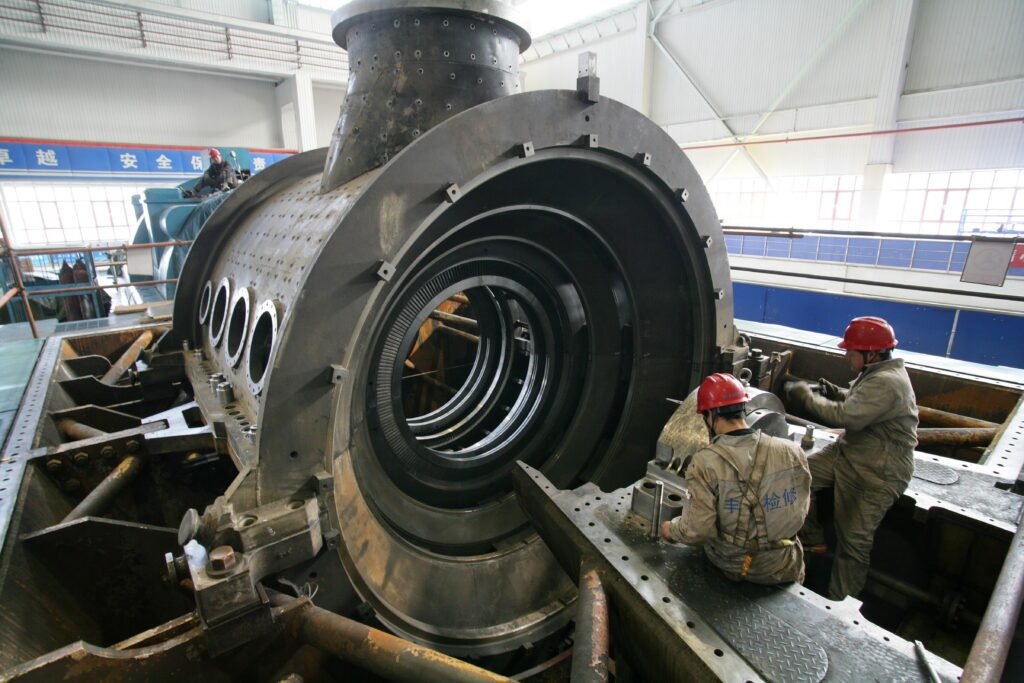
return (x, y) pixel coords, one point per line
(748, 493)
(219, 175)
(870, 465)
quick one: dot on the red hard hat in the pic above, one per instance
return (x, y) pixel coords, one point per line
(868, 334)
(720, 389)
(214, 152)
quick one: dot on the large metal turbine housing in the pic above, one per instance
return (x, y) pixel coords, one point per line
(588, 249)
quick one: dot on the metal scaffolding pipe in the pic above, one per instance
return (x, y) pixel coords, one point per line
(107, 490)
(19, 284)
(383, 654)
(590, 648)
(995, 635)
(127, 358)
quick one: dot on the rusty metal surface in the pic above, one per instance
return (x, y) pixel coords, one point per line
(381, 653)
(955, 436)
(590, 650)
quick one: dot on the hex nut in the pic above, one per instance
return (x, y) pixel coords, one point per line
(222, 559)
(54, 464)
(132, 446)
(71, 485)
(81, 458)
(107, 452)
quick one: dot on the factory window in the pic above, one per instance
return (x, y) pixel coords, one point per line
(950, 203)
(43, 214)
(822, 202)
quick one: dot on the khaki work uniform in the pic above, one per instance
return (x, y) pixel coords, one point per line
(748, 496)
(868, 467)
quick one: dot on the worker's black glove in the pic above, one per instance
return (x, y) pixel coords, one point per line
(832, 392)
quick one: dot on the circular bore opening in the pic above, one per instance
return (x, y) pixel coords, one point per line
(219, 311)
(204, 303)
(261, 341)
(472, 373)
(238, 325)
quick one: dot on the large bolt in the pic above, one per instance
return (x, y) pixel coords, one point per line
(189, 526)
(132, 446)
(71, 485)
(222, 559)
(81, 458)
(54, 465)
(107, 452)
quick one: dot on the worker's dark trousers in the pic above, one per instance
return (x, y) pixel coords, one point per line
(859, 510)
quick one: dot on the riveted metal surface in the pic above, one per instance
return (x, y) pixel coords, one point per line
(742, 631)
(269, 254)
(412, 66)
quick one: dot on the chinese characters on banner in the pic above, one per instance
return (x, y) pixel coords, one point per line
(51, 159)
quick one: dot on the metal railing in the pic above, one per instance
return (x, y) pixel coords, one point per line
(19, 289)
(153, 30)
(942, 253)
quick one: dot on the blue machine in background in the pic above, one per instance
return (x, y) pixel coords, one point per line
(167, 215)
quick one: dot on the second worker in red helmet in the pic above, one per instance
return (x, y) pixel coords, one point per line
(870, 465)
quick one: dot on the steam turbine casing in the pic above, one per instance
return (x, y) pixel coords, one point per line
(580, 222)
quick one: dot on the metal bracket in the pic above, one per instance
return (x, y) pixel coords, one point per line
(385, 271)
(525, 149)
(644, 159)
(588, 85)
(451, 193)
(339, 373)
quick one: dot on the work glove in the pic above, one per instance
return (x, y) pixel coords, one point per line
(832, 392)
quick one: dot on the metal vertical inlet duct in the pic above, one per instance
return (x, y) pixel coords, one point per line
(412, 65)
(571, 232)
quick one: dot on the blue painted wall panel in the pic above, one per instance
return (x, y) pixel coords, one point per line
(749, 301)
(989, 338)
(919, 328)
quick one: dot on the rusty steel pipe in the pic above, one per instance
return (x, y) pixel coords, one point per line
(383, 654)
(455, 332)
(995, 635)
(933, 417)
(590, 647)
(127, 358)
(949, 436)
(454, 319)
(78, 431)
(8, 295)
(107, 490)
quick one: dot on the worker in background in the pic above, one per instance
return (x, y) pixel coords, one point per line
(870, 465)
(748, 493)
(219, 175)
